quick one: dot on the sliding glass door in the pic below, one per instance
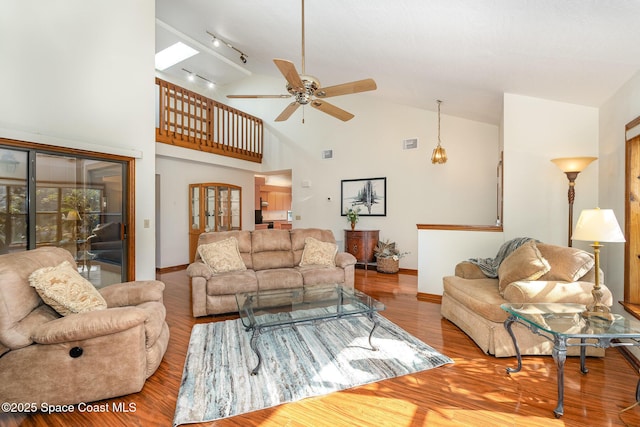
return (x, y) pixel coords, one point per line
(72, 201)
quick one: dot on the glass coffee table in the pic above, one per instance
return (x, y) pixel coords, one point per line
(265, 310)
(560, 322)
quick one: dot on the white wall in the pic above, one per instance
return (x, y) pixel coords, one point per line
(463, 191)
(535, 190)
(71, 77)
(619, 110)
(177, 169)
(441, 250)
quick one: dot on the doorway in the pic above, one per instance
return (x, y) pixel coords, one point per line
(68, 199)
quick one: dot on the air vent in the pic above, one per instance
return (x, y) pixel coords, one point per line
(410, 144)
(327, 154)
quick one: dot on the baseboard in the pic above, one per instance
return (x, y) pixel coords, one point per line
(436, 299)
(171, 269)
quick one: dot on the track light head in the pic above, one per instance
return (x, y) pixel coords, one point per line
(216, 42)
(243, 58)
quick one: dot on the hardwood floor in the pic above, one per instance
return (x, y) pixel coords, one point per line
(475, 391)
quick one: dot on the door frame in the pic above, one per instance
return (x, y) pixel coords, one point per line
(129, 187)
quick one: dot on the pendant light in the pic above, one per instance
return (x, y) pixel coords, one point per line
(439, 155)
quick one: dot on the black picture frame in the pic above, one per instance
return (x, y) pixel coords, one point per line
(370, 194)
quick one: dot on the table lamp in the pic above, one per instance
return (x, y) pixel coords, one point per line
(597, 225)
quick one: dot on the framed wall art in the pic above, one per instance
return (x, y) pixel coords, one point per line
(369, 194)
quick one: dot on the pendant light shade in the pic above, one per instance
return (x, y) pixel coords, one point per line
(439, 155)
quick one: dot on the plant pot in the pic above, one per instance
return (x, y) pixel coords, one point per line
(387, 265)
(353, 225)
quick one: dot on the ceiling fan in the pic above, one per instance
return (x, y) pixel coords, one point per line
(306, 89)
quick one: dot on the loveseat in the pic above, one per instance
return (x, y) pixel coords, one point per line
(534, 272)
(230, 262)
(81, 345)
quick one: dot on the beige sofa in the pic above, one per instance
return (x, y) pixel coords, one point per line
(270, 259)
(108, 343)
(535, 272)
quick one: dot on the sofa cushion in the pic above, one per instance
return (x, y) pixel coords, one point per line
(313, 275)
(478, 295)
(222, 256)
(271, 249)
(65, 290)
(279, 278)
(318, 253)
(554, 291)
(525, 263)
(567, 264)
(232, 282)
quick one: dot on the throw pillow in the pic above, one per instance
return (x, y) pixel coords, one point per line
(65, 290)
(222, 256)
(567, 264)
(317, 252)
(525, 263)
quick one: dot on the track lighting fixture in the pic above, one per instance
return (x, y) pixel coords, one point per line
(191, 76)
(216, 42)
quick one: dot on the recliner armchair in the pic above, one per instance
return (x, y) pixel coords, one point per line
(80, 357)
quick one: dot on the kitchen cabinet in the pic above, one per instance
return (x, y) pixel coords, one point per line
(213, 207)
(278, 198)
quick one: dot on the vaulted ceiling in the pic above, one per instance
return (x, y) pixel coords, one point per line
(464, 52)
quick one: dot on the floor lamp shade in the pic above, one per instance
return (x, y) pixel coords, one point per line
(572, 166)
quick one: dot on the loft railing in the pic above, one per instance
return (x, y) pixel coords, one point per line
(190, 120)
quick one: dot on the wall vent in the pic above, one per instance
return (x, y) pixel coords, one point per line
(327, 154)
(410, 144)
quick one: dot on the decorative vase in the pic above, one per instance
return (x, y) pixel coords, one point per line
(353, 225)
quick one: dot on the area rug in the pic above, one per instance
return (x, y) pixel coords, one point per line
(297, 362)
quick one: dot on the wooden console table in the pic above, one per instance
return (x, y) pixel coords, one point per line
(360, 244)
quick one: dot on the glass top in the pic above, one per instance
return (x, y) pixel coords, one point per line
(567, 319)
(288, 306)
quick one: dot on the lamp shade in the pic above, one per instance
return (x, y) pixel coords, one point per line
(573, 164)
(598, 225)
(439, 155)
(73, 215)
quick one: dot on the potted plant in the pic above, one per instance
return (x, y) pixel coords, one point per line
(353, 216)
(388, 256)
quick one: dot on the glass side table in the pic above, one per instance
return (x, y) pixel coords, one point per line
(559, 322)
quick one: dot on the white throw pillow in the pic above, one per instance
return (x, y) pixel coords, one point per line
(317, 252)
(222, 256)
(65, 290)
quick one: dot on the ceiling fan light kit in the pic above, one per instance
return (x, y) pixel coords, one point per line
(439, 155)
(306, 89)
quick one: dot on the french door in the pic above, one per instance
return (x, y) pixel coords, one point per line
(69, 199)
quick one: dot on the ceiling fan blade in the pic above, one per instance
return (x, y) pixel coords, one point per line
(291, 108)
(290, 73)
(258, 96)
(346, 88)
(332, 110)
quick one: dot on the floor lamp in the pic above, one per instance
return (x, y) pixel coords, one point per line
(572, 166)
(597, 225)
